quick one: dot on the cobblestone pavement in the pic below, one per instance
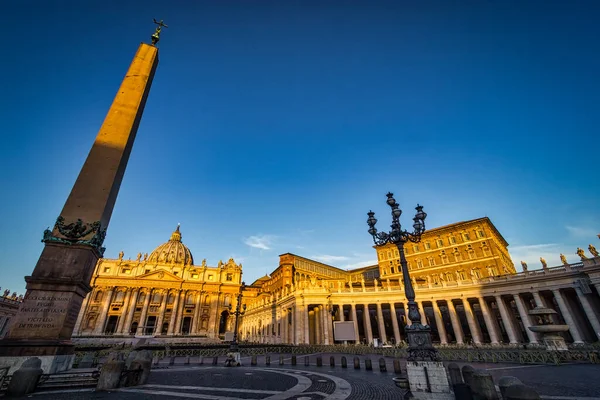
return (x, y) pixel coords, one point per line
(299, 382)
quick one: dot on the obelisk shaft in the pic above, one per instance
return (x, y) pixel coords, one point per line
(61, 278)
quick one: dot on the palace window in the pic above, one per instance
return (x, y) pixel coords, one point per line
(444, 257)
(229, 277)
(466, 237)
(106, 270)
(396, 253)
(462, 275)
(427, 245)
(126, 271)
(419, 264)
(389, 255)
(194, 276)
(392, 270)
(452, 240)
(210, 277)
(147, 271)
(431, 261)
(440, 243)
(480, 234)
(382, 255)
(416, 248)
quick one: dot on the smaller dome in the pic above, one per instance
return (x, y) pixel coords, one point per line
(172, 251)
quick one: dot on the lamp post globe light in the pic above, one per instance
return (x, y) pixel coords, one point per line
(420, 346)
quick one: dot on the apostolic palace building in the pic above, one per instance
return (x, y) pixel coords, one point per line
(462, 273)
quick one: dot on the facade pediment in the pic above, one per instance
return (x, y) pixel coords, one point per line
(165, 276)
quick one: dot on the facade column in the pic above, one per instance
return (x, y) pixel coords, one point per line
(381, 324)
(179, 319)
(525, 319)
(125, 330)
(141, 330)
(506, 320)
(458, 333)
(82, 313)
(538, 299)
(439, 321)
(489, 322)
(124, 313)
(342, 319)
(395, 326)
(161, 313)
(328, 326)
(472, 321)
(173, 319)
(99, 328)
(355, 320)
(566, 313)
(589, 312)
(196, 320)
(306, 324)
(367, 323)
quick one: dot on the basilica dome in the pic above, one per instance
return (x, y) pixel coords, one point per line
(172, 252)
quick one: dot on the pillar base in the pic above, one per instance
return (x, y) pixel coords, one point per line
(56, 356)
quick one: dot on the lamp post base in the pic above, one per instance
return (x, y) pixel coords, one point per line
(420, 346)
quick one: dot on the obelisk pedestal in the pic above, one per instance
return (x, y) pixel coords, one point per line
(61, 278)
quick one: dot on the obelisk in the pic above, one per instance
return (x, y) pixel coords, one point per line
(61, 278)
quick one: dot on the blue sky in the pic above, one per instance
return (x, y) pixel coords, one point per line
(274, 126)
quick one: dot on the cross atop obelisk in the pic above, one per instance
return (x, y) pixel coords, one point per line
(61, 278)
(156, 35)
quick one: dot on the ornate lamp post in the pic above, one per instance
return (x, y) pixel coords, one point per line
(234, 343)
(419, 336)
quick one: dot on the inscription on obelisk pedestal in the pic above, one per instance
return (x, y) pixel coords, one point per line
(60, 281)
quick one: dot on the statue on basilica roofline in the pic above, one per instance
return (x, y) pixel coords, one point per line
(593, 250)
(145, 256)
(6, 293)
(563, 259)
(121, 254)
(543, 261)
(139, 257)
(581, 254)
(204, 263)
(524, 265)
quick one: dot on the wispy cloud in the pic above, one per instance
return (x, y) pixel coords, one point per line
(581, 232)
(531, 254)
(329, 259)
(360, 264)
(262, 242)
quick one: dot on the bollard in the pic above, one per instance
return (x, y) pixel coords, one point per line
(280, 360)
(467, 373)
(382, 366)
(110, 374)
(172, 361)
(293, 360)
(482, 386)
(505, 382)
(332, 361)
(306, 361)
(368, 365)
(254, 360)
(397, 369)
(344, 362)
(455, 375)
(462, 391)
(26, 378)
(267, 360)
(142, 360)
(201, 360)
(319, 361)
(521, 392)
(155, 360)
(215, 360)
(356, 363)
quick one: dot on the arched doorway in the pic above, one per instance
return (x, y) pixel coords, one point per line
(223, 322)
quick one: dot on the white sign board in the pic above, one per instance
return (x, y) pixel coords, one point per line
(344, 330)
(229, 336)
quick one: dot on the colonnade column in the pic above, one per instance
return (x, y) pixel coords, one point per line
(506, 320)
(328, 330)
(124, 313)
(421, 306)
(367, 323)
(566, 313)
(355, 320)
(173, 319)
(318, 325)
(305, 326)
(161, 313)
(142, 324)
(395, 326)
(538, 299)
(458, 333)
(471, 320)
(489, 323)
(130, 311)
(525, 319)
(103, 312)
(589, 311)
(82, 313)
(439, 321)
(381, 324)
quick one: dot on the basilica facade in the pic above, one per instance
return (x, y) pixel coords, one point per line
(466, 285)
